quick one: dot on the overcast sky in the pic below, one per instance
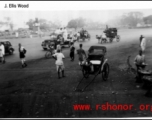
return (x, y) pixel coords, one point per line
(64, 13)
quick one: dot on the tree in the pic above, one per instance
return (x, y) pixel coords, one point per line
(2, 23)
(44, 24)
(9, 23)
(131, 19)
(76, 23)
(30, 23)
(148, 19)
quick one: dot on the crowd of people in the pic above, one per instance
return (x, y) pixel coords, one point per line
(59, 56)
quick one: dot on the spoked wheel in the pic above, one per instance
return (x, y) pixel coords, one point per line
(111, 39)
(48, 54)
(85, 72)
(117, 38)
(89, 37)
(105, 72)
(11, 51)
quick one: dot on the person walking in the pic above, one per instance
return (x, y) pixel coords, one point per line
(140, 39)
(2, 52)
(72, 51)
(81, 54)
(22, 52)
(59, 63)
(140, 64)
(143, 44)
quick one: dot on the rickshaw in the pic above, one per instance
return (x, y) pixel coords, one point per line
(95, 64)
(110, 33)
(83, 35)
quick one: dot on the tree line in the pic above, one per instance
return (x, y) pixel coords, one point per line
(131, 19)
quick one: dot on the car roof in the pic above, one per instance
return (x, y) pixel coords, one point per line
(4, 40)
(98, 47)
(49, 40)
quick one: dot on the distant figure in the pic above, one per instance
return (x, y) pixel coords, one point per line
(2, 53)
(82, 55)
(140, 39)
(104, 37)
(59, 47)
(57, 31)
(65, 34)
(59, 63)
(143, 44)
(72, 51)
(16, 34)
(22, 52)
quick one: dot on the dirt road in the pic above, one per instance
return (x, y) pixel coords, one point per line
(35, 92)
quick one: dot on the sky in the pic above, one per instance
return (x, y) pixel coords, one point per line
(64, 11)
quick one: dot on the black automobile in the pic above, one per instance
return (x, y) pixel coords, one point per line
(8, 47)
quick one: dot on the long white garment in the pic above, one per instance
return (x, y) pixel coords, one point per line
(22, 48)
(143, 44)
(103, 35)
(2, 49)
(65, 34)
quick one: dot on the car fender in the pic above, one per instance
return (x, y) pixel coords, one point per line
(105, 61)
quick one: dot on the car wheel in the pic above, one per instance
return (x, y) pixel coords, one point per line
(10, 51)
(48, 54)
(44, 48)
(85, 72)
(105, 72)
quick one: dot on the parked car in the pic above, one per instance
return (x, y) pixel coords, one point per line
(8, 47)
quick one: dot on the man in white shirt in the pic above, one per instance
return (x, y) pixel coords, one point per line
(104, 37)
(59, 63)
(3, 52)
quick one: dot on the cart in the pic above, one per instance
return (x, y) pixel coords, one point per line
(95, 64)
(111, 33)
(83, 35)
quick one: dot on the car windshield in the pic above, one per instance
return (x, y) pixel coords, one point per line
(96, 51)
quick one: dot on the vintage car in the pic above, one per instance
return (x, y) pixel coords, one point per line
(8, 47)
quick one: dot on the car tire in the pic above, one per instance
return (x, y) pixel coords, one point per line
(44, 48)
